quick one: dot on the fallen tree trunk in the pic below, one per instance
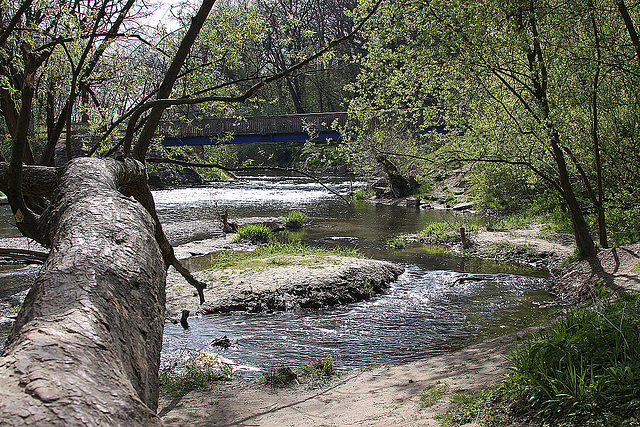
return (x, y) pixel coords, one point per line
(85, 348)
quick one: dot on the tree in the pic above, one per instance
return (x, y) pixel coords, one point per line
(85, 347)
(294, 28)
(524, 84)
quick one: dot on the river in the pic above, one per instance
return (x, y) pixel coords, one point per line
(421, 314)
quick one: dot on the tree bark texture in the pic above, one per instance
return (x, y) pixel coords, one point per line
(85, 348)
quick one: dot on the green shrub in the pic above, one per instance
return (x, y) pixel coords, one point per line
(256, 233)
(294, 219)
(424, 192)
(623, 224)
(585, 370)
(363, 193)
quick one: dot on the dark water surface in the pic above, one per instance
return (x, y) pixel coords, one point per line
(423, 313)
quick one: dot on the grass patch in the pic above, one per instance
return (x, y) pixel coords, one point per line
(317, 372)
(397, 243)
(433, 394)
(256, 233)
(583, 371)
(443, 233)
(363, 193)
(464, 408)
(586, 369)
(576, 255)
(278, 254)
(294, 219)
(196, 374)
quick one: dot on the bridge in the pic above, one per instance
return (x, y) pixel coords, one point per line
(285, 128)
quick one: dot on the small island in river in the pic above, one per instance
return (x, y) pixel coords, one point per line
(283, 282)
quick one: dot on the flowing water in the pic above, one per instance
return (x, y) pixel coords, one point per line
(421, 314)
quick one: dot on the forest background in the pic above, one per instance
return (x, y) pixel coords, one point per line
(537, 100)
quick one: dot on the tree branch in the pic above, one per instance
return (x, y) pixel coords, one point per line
(170, 78)
(631, 29)
(6, 32)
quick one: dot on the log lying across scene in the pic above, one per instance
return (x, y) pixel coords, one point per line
(85, 349)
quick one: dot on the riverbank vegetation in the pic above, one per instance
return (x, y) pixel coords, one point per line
(294, 219)
(534, 103)
(255, 233)
(197, 373)
(313, 374)
(581, 371)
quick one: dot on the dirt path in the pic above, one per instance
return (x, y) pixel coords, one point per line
(560, 245)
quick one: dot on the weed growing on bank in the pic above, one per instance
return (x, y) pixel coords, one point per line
(196, 374)
(314, 373)
(576, 255)
(256, 233)
(294, 219)
(433, 395)
(583, 371)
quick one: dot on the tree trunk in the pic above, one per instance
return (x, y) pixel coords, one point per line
(398, 184)
(584, 242)
(85, 348)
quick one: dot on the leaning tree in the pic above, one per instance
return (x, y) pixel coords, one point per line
(85, 347)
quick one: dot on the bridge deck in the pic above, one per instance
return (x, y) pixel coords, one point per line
(285, 128)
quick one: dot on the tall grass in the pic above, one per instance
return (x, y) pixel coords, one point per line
(585, 370)
(256, 233)
(294, 219)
